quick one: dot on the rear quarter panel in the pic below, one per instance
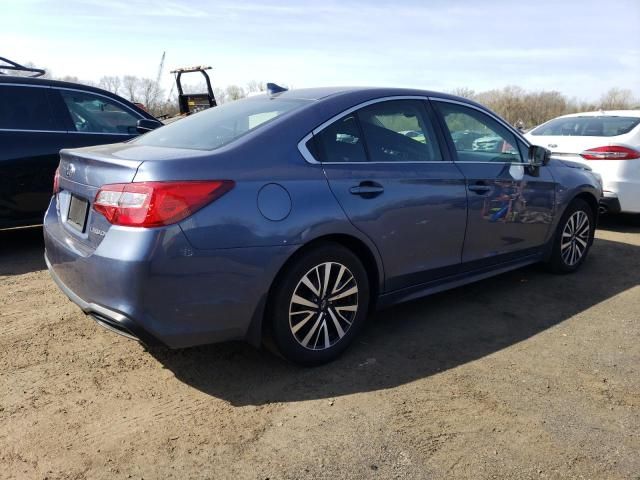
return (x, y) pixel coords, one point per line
(241, 218)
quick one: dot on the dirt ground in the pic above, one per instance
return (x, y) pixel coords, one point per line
(525, 375)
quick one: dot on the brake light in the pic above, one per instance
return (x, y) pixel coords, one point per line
(612, 152)
(56, 181)
(153, 204)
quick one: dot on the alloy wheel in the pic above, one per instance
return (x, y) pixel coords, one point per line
(323, 306)
(575, 238)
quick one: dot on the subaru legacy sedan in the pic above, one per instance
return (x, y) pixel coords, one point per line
(294, 214)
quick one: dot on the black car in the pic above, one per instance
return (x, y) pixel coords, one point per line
(38, 118)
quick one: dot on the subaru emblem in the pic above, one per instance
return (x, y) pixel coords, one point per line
(69, 170)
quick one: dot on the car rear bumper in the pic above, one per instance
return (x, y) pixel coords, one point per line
(110, 319)
(609, 203)
(627, 194)
(151, 285)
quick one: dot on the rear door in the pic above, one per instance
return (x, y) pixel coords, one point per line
(30, 139)
(385, 166)
(511, 205)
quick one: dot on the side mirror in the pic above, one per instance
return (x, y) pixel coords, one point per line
(145, 125)
(538, 156)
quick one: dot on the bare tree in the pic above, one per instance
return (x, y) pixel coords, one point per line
(255, 86)
(220, 95)
(617, 99)
(234, 92)
(149, 93)
(111, 83)
(130, 87)
(463, 92)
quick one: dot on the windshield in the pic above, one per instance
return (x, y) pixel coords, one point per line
(218, 126)
(588, 126)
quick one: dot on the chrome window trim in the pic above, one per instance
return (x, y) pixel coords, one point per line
(25, 130)
(302, 147)
(24, 85)
(309, 158)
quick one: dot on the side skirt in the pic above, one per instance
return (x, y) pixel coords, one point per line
(453, 281)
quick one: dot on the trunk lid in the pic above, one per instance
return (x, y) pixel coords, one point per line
(567, 147)
(83, 171)
(94, 169)
(81, 174)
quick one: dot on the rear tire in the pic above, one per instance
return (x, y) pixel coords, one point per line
(573, 238)
(319, 305)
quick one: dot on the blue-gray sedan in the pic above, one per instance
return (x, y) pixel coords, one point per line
(294, 214)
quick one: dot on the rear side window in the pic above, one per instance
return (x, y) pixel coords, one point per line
(477, 137)
(340, 142)
(398, 131)
(25, 108)
(97, 114)
(218, 126)
(591, 126)
(391, 131)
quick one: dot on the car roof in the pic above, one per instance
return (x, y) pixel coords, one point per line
(605, 113)
(319, 93)
(47, 82)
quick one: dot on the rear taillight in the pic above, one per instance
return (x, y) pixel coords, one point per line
(612, 152)
(56, 181)
(153, 204)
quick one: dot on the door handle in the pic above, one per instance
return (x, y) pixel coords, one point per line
(480, 188)
(367, 189)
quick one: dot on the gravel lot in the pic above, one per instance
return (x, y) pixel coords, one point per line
(526, 375)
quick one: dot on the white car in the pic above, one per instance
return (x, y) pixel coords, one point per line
(609, 142)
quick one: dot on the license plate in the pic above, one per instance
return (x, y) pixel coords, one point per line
(77, 216)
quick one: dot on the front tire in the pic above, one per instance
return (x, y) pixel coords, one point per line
(319, 304)
(573, 238)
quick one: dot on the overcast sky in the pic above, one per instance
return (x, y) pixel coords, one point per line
(581, 48)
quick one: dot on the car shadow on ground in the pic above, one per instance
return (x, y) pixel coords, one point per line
(416, 339)
(622, 223)
(21, 251)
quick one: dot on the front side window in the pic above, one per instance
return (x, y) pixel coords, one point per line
(97, 114)
(477, 137)
(588, 126)
(215, 127)
(25, 108)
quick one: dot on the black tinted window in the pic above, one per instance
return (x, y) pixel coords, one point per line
(398, 131)
(98, 114)
(341, 142)
(477, 137)
(591, 126)
(25, 108)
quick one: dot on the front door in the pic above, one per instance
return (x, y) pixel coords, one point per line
(511, 204)
(385, 166)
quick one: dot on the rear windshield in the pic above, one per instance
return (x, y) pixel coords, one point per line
(588, 126)
(218, 126)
